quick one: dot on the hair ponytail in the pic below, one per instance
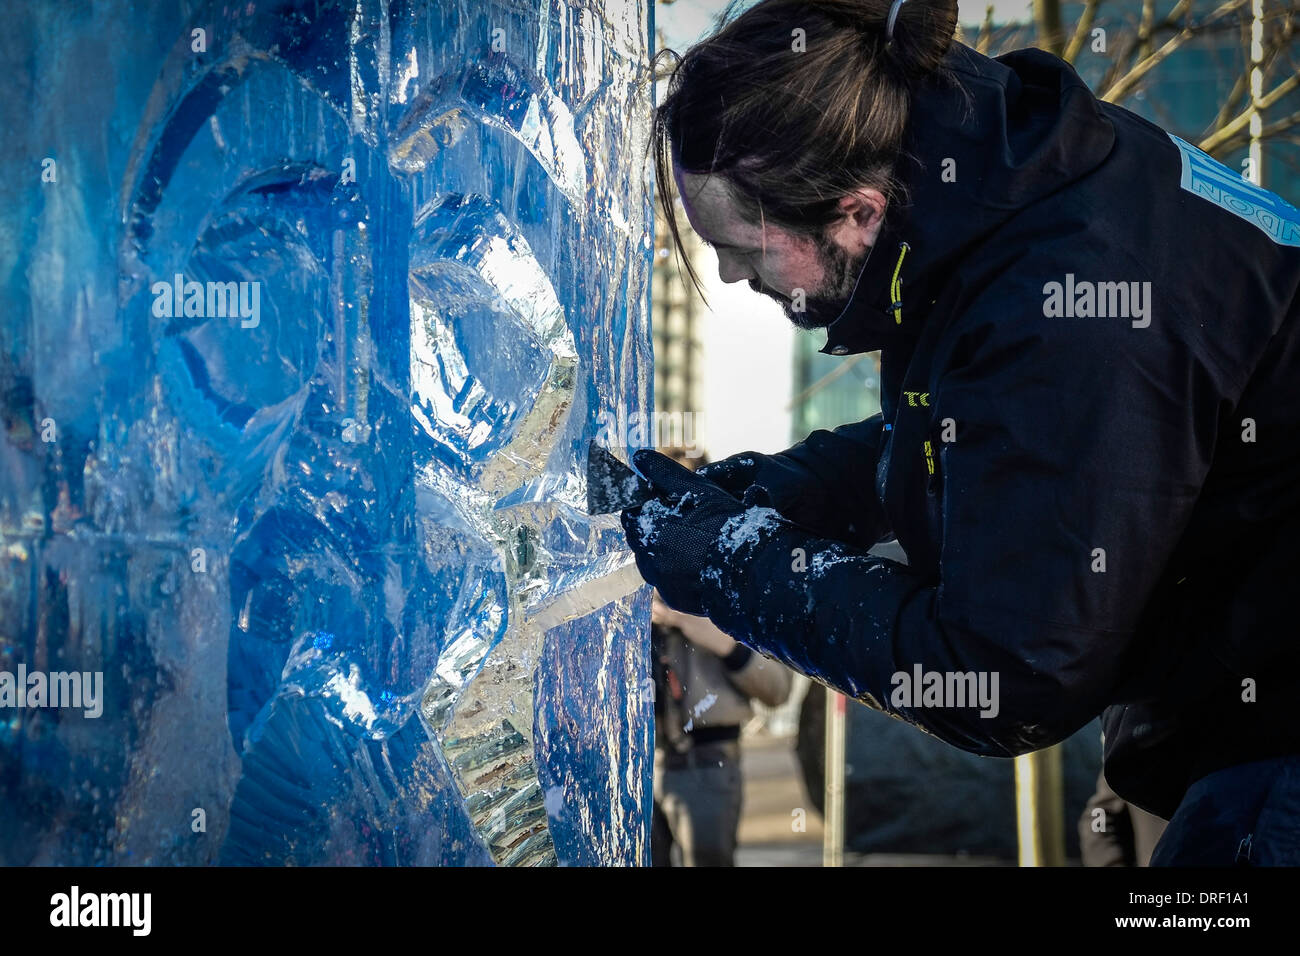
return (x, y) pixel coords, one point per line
(923, 34)
(797, 103)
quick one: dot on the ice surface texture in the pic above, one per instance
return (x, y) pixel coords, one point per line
(330, 551)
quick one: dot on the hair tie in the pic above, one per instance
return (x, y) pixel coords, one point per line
(889, 24)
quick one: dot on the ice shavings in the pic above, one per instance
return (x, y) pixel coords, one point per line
(700, 707)
(652, 512)
(746, 528)
(823, 561)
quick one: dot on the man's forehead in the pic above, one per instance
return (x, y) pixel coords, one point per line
(712, 209)
(703, 187)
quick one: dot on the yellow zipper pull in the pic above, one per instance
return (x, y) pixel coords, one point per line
(896, 286)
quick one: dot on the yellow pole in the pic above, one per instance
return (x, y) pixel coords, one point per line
(1040, 808)
(833, 801)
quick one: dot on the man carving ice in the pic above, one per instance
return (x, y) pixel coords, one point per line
(1099, 508)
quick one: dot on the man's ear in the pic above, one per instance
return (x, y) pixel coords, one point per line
(864, 208)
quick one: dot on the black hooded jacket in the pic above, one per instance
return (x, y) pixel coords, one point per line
(1089, 446)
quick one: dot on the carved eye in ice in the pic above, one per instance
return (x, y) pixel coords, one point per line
(494, 91)
(492, 357)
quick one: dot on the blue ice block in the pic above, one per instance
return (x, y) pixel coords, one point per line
(311, 311)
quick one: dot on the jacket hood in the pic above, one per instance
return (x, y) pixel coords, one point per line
(1019, 128)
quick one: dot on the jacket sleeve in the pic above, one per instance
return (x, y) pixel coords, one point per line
(1080, 448)
(757, 676)
(840, 466)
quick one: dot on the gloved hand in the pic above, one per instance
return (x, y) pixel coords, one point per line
(779, 482)
(689, 538)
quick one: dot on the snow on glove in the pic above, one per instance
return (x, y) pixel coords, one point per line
(691, 539)
(781, 482)
(738, 474)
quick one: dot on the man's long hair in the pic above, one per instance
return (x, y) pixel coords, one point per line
(797, 103)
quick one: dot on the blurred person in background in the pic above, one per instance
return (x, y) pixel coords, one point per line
(704, 681)
(1121, 834)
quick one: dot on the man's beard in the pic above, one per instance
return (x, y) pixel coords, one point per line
(822, 306)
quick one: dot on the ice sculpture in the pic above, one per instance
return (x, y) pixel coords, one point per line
(310, 321)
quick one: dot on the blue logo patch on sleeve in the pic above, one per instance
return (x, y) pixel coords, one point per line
(1208, 178)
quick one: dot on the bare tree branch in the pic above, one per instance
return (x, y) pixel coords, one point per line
(1140, 41)
(1126, 84)
(1276, 129)
(986, 32)
(1150, 41)
(1272, 53)
(1081, 31)
(1234, 126)
(1225, 111)
(1047, 18)
(1144, 28)
(1273, 131)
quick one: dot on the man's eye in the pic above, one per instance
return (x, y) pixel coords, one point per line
(734, 250)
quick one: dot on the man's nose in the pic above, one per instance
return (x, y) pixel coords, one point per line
(733, 269)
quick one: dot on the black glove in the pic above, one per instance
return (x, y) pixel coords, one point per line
(783, 483)
(689, 539)
(796, 491)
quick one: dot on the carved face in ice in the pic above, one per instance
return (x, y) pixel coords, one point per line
(374, 437)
